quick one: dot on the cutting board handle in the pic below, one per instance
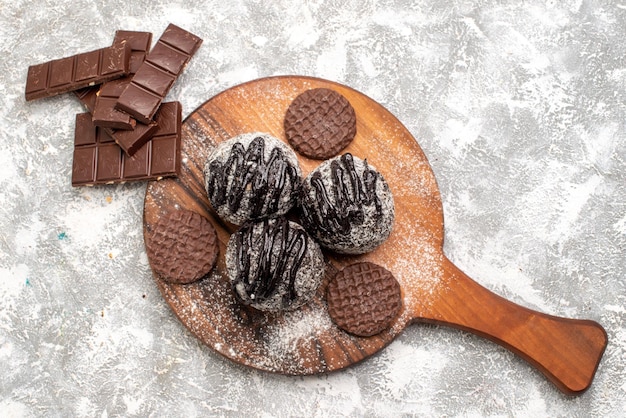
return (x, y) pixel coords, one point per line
(566, 351)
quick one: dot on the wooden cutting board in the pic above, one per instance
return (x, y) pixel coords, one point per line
(305, 341)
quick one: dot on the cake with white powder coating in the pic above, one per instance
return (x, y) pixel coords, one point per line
(274, 265)
(252, 176)
(347, 205)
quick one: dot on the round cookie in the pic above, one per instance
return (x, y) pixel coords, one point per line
(319, 123)
(274, 265)
(252, 176)
(182, 247)
(347, 206)
(363, 299)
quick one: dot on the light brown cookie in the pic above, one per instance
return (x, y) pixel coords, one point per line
(364, 299)
(182, 247)
(319, 123)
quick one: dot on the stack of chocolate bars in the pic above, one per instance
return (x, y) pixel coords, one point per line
(128, 133)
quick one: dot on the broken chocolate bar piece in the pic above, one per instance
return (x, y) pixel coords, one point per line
(77, 71)
(155, 77)
(131, 141)
(99, 160)
(104, 113)
(139, 46)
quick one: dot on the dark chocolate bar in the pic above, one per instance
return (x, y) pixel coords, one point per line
(99, 160)
(155, 77)
(139, 43)
(132, 141)
(104, 113)
(139, 46)
(78, 71)
(129, 140)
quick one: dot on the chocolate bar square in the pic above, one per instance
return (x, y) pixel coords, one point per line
(167, 60)
(99, 160)
(77, 71)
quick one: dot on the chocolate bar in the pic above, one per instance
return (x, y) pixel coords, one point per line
(155, 77)
(132, 141)
(104, 112)
(139, 43)
(78, 71)
(99, 160)
(139, 46)
(129, 140)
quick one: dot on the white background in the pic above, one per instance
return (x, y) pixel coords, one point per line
(520, 108)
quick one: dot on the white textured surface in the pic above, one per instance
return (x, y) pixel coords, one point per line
(520, 109)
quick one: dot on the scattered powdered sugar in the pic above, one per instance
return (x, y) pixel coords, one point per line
(419, 277)
(11, 285)
(400, 360)
(299, 327)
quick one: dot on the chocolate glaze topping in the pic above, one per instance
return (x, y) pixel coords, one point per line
(280, 249)
(349, 202)
(248, 170)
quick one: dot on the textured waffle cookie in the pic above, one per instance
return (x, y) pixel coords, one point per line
(182, 247)
(364, 299)
(319, 123)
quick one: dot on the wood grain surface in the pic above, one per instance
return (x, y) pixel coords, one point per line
(305, 341)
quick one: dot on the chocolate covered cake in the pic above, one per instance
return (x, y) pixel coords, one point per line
(274, 265)
(347, 205)
(252, 176)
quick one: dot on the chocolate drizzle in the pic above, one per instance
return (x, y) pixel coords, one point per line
(279, 251)
(341, 205)
(247, 171)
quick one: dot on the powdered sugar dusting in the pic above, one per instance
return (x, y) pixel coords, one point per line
(300, 327)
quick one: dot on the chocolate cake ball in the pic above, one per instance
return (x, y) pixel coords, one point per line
(252, 176)
(347, 205)
(274, 265)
